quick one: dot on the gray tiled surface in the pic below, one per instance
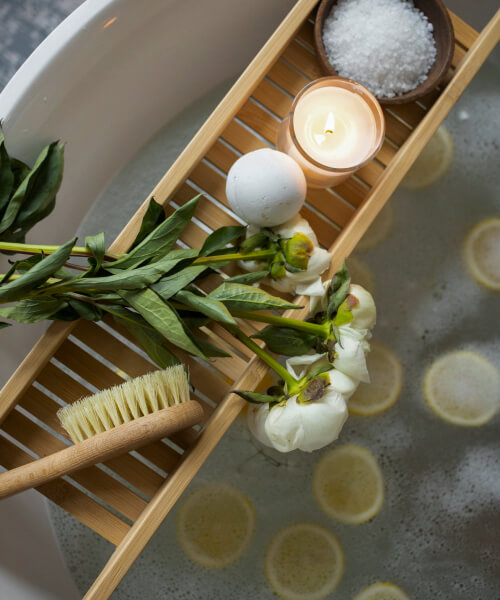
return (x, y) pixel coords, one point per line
(24, 24)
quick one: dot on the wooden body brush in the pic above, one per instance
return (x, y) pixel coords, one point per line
(110, 423)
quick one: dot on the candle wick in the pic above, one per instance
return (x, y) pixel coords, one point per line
(330, 123)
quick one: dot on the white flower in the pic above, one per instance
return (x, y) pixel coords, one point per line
(306, 427)
(363, 308)
(292, 425)
(306, 282)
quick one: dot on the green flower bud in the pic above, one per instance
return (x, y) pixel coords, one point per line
(297, 250)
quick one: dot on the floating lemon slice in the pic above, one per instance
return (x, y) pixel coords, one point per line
(304, 562)
(378, 230)
(215, 524)
(360, 273)
(386, 375)
(432, 163)
(382, 591)
(482, 253)
(463, 388)
(348, 484)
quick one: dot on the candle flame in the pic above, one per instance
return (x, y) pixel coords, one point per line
(330, 123)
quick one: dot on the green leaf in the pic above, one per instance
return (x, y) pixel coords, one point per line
(214, 309)
(19, 235)
(150, 340)
(86, 310)
(338, 290)
(65, 314)
(161, 239)
(37, 191)
(169, 286)
(210, 349)
(10, 272)
(248, 278)
(193, 320)
(344, 313)
(28, 263)
(153, 216)
(256, 398)
(32, 310)
(6, 175)
(257, 240)
(297, 250)
(176, 256)
(220, 238)
(287, 341)
(162, 318)
(237, 296)
(130, 279)
(4, 325)
(96, 245)
(319, 368)
(20, 170)
(38, 274)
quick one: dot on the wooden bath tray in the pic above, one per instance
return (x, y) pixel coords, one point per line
(126, 500)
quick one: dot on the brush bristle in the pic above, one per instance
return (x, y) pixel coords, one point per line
(130, 400)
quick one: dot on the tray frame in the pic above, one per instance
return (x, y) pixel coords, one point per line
(146, 516)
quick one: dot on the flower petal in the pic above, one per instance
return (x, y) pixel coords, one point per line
(298, 366)
(296, 224)
(350, 353)
(365, 313)
(256, 420)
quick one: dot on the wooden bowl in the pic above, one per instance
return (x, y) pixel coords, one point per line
(444, 37)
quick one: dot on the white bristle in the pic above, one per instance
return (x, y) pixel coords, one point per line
(120, 404)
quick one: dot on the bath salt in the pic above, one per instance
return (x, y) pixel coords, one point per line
(386, 45)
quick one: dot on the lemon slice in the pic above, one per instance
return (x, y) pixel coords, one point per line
(382, 591)
(482, 253)
(432, 163)
(386, 376)
(215, 524)
(348, 484)
(304, 562)
(463, 388)
(360, 273)
(378, 230)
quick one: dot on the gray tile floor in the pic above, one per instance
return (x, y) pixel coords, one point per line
(24, 24)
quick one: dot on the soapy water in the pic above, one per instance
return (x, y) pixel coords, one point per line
(437, 533)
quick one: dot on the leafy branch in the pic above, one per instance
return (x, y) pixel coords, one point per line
(151, 290)
(27, 195)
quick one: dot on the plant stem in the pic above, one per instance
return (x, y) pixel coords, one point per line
(206, 260)
(313, 328)
(19, 275)
(291, 383)
(49, 249)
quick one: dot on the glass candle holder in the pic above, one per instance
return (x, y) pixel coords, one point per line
(335, 126)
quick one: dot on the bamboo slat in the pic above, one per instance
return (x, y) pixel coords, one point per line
(96, 356)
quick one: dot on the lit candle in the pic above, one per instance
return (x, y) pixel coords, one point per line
(335, 127)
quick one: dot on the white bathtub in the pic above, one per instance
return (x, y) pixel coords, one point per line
(105, 81)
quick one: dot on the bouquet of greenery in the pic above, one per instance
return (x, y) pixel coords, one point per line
(156, 291)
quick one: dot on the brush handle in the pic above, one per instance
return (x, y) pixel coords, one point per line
(101, 447)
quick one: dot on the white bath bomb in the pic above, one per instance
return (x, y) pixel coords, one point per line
(266, 187)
